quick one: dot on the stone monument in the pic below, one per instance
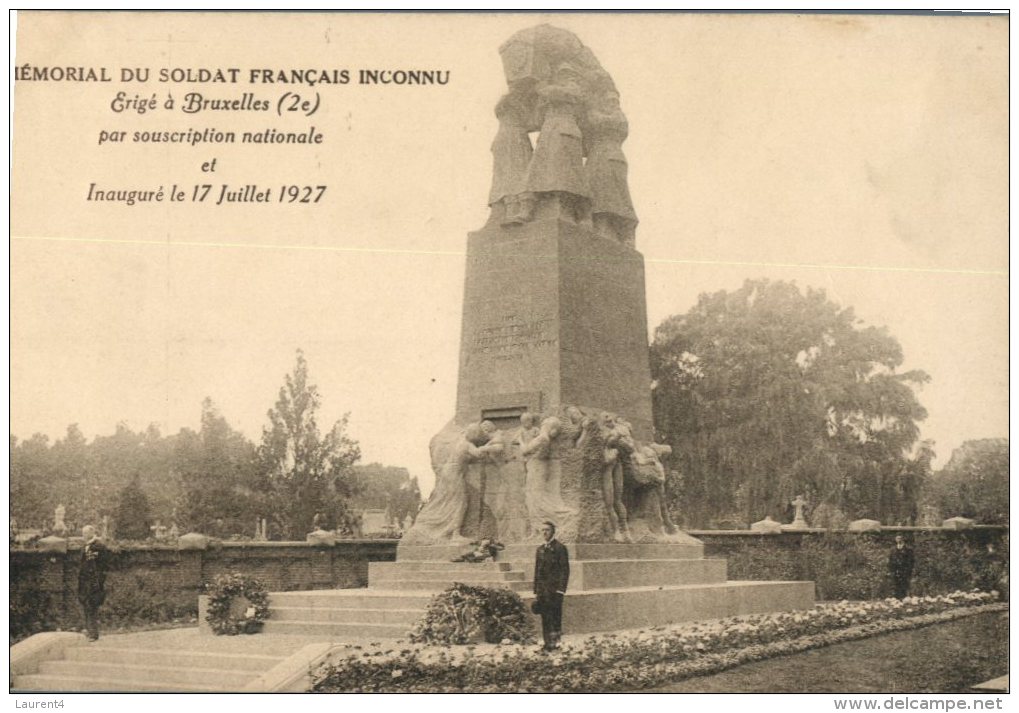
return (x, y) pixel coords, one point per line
(569, 350)
(553, 410)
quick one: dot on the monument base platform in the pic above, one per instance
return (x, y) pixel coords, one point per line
(612, 587)
(348, 614)
(603, 610)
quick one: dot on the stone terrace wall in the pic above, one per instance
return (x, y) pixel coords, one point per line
(722, 543)
(854, 565)
(167, 581)
(44, 584)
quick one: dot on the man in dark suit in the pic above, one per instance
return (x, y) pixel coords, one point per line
(551, 575)
(900, 567)
(92, 579)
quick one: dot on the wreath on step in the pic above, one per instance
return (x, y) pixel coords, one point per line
(237, 604)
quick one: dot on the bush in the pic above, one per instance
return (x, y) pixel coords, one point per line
(855, 566)
(464, 614)
(30, 613)
(139, 597)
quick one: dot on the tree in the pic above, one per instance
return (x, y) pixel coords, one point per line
(33, 482)
(974, 482)
(118, 459)
(132, 517)
(303, 472)
(765, 393)
(389, 488)
(71, 461)
(216, 467)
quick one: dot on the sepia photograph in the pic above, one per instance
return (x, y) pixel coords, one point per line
(510, 352)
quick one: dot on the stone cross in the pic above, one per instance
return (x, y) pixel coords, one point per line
(59, 526)
(798, 519)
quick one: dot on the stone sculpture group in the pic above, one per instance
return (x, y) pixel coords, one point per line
(577, 167)
(584, 472)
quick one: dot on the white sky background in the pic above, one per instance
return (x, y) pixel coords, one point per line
(872, 152)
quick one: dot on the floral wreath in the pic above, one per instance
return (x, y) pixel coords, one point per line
(222, 592)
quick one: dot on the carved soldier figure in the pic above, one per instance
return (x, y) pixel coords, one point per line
(612, 211)
(511, 154)
(557, 166)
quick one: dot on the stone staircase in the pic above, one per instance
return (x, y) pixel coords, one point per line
(396, 598)
(165, 661)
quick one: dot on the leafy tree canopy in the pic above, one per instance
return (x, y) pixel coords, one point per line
(304, 472)
(974, 482)
(132, 518)
(767, 392)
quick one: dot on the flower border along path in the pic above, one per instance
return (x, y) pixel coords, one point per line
(637, 659)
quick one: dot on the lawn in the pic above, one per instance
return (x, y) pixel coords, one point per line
(944, 658)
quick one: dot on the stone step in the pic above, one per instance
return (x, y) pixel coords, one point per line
(142, 672)
(338, 615)
(636, 607)
(338, 630)
(198, 659)
(607, 574)
(426, 566)
(382, 579)
(351, 599)
(684, 548)
(437, 584)
(37, 682)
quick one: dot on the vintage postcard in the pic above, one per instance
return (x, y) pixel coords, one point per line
(509, 352)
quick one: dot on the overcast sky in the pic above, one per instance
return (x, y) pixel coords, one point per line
(864, 155)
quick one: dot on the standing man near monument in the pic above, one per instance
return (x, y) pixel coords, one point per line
(92, 579)
(900, 566)
(551, 575)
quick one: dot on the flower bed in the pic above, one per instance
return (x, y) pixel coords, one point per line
(637, 659)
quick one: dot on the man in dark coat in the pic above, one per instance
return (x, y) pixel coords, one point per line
(551, 575)
(900, 567)
(92, 579)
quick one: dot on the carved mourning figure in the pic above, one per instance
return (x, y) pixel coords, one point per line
(496, 508)
(601, 442)
(572, 426)
(442, 516)
(528, 430)
(542, 487)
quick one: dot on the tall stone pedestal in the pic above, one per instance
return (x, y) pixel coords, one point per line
(553, 315)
